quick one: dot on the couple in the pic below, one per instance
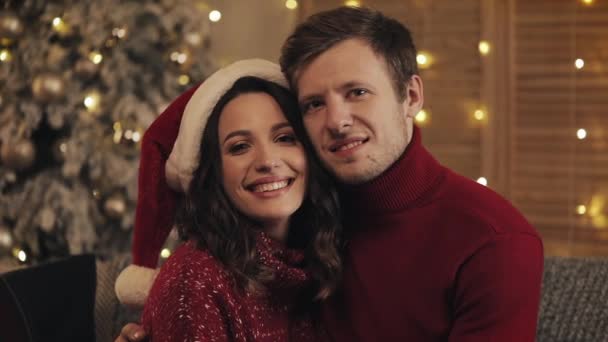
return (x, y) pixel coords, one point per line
(428, 255)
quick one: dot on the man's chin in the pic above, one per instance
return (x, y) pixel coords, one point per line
(353, 176)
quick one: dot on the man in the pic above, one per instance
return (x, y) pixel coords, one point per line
(431, 255)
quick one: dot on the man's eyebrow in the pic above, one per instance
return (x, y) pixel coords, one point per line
(345, 86)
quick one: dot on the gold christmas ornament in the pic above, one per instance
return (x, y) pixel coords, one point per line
(86, 68)
(18, 156)
(48, 87)
(6, 238)
(11, 26)
(115, 206)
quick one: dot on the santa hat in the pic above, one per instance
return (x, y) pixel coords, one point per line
(169, 156)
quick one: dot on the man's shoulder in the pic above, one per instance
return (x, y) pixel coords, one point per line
(478, 207)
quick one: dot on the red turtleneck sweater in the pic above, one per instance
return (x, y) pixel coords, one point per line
(433, 256)
(194, 299)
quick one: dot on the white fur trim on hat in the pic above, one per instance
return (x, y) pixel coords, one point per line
(184, 157)
(133, 284)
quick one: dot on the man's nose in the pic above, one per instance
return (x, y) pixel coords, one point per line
(339, 117)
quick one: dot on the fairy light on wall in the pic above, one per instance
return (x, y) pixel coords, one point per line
(484, 47)
(483, 181)
(215, 16)
(579, 63)
(581, 209)
(291, 4)
(581, 134)
(165, 253)
(424, 59)
(352, 3)
(422, 118)
(479, 115)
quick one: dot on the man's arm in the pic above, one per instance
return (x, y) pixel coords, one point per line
(498, 291)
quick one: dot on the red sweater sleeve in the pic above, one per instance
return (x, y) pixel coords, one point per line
(184, 305)
(498, 291)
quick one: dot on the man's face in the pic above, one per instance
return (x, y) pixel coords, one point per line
(358, 125)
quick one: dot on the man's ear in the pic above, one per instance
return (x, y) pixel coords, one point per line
(414, 97)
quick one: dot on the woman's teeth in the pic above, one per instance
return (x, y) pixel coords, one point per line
(270, 186)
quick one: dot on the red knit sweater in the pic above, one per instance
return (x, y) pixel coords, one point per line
(194, 299)
(434, 256)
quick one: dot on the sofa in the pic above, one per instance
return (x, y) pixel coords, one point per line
(73, 299)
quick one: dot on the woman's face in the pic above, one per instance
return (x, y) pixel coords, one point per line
(263, 164)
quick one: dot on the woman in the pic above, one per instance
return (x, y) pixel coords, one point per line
(259, 217)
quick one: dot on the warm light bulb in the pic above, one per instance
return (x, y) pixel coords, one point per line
(291, 4)
(424, 59)
(215, 16)
(119, 32)
(587, 2)
(57, 22)
(352, 3)
(136, 136)
(91, 101)
(484, 47)
(581, 134)
(5, 55)
(581, 209)
(422, 117)
(579, 63)
(165, 253)
(483, 181)
(19, 254)
(183, 80)
(95, 57)
(479, 115)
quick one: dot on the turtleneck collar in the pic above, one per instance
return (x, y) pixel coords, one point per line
(287, 264)
(401, 185)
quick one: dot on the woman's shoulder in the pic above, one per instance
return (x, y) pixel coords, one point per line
(190, 262)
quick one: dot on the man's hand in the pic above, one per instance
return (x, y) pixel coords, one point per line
(132, 333)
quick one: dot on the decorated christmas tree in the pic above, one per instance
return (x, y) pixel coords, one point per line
(80, 81)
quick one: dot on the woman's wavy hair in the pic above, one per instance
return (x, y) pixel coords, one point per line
(207, 216)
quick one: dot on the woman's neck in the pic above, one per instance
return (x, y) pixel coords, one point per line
(277, 230)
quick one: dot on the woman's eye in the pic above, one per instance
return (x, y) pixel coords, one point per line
(286, 138)
(238, 148)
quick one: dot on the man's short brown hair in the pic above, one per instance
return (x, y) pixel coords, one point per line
(386, 36)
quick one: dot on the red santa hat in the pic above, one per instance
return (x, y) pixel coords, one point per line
(169, 155)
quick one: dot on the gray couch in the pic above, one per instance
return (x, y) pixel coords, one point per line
(574, 303)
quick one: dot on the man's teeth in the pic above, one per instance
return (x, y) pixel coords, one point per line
(270, 186)
(349, 146)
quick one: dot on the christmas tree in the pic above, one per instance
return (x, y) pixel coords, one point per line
(80, 81)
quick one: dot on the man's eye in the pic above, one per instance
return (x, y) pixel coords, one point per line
(312, 105)
(238, 148)
(358, 92)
